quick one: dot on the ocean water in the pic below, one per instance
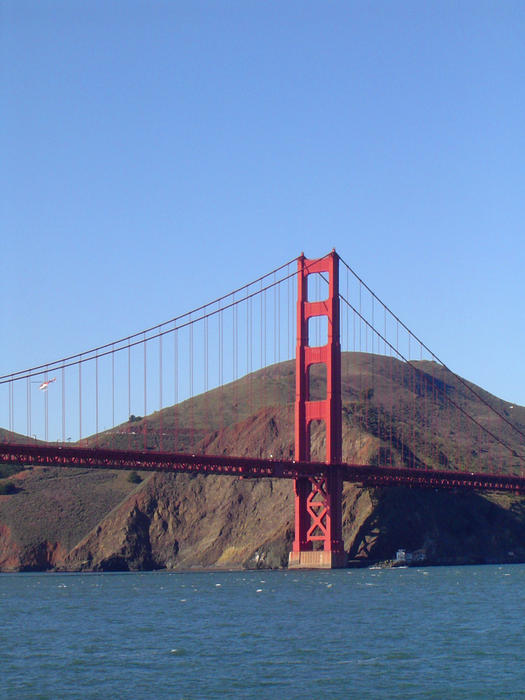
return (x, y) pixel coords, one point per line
(442, 632)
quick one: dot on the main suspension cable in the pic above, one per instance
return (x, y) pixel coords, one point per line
(435, 357)
(422, 373)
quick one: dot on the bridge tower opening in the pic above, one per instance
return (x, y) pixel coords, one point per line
(318, 539)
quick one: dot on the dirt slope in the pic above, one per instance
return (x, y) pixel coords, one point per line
(99, 520)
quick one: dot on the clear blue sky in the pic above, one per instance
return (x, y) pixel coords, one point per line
(155, 155)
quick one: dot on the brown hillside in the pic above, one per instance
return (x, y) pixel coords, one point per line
(83, 520)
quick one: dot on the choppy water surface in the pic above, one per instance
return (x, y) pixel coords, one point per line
(404, 633)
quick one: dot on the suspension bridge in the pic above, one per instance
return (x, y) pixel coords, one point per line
(362, 399)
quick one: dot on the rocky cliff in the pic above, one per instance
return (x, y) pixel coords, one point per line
(80, 520)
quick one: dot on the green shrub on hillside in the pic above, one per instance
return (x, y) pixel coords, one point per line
(8, 470)
(134, 478)
(7, 488)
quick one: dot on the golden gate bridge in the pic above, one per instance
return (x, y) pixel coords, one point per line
(366, 401)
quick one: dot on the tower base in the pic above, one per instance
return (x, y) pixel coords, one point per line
(318, 559)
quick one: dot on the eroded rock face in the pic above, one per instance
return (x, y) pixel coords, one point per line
(445, 527)
(80, 519)
(9, 550)
(41, 556)
(186, 521)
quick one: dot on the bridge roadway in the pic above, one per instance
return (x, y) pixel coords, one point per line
(59, 455)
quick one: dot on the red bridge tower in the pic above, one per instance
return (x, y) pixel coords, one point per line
(318, 500)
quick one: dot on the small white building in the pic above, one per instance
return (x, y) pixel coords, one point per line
(401, 556)
(404, 557)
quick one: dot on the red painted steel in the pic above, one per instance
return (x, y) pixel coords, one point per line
(45, 455)
(318, 501)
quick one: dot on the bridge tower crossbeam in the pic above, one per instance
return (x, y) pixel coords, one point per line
(318, 539)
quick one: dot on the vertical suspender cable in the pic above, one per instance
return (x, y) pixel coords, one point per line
(265, 344)
(354, 332)
(371, 368)
(347, 321)
(113, 389)
(387, 413)
(317, 320)
(360, 318)
(398, 416)
(11, 406)
(289, 327)
(144, 430)
(192, 401)
(247, 324)
(80, 399)
(361, 407)
(476, 459)
(221, 359)
(247, 393)
(129, 393)
(435, 424)
(265, 337)
(206, 354)
(249, 350)
(454, 432)
(236, 355)
(10, 420)
(63, 403)
(46, 408)
(235, 341)
(161, 427)
(176, 444)
(206, 412)
(274, 320)
(374, 383)
(234, 351)
(96, 399)
(28, 406)
(414, 405)
(288, 313)
(391, 404)
(425, 414)
(129, 379)
(220, 346)
(411, 403)
(261, 364)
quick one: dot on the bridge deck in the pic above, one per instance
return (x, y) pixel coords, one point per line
(365, 475)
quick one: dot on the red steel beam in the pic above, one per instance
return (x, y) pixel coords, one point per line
(318, 501)
(370, 476)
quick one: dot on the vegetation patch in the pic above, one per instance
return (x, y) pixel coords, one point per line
(7, 488)
(7, 470)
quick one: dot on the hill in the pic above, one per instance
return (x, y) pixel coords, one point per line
(79, 519)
